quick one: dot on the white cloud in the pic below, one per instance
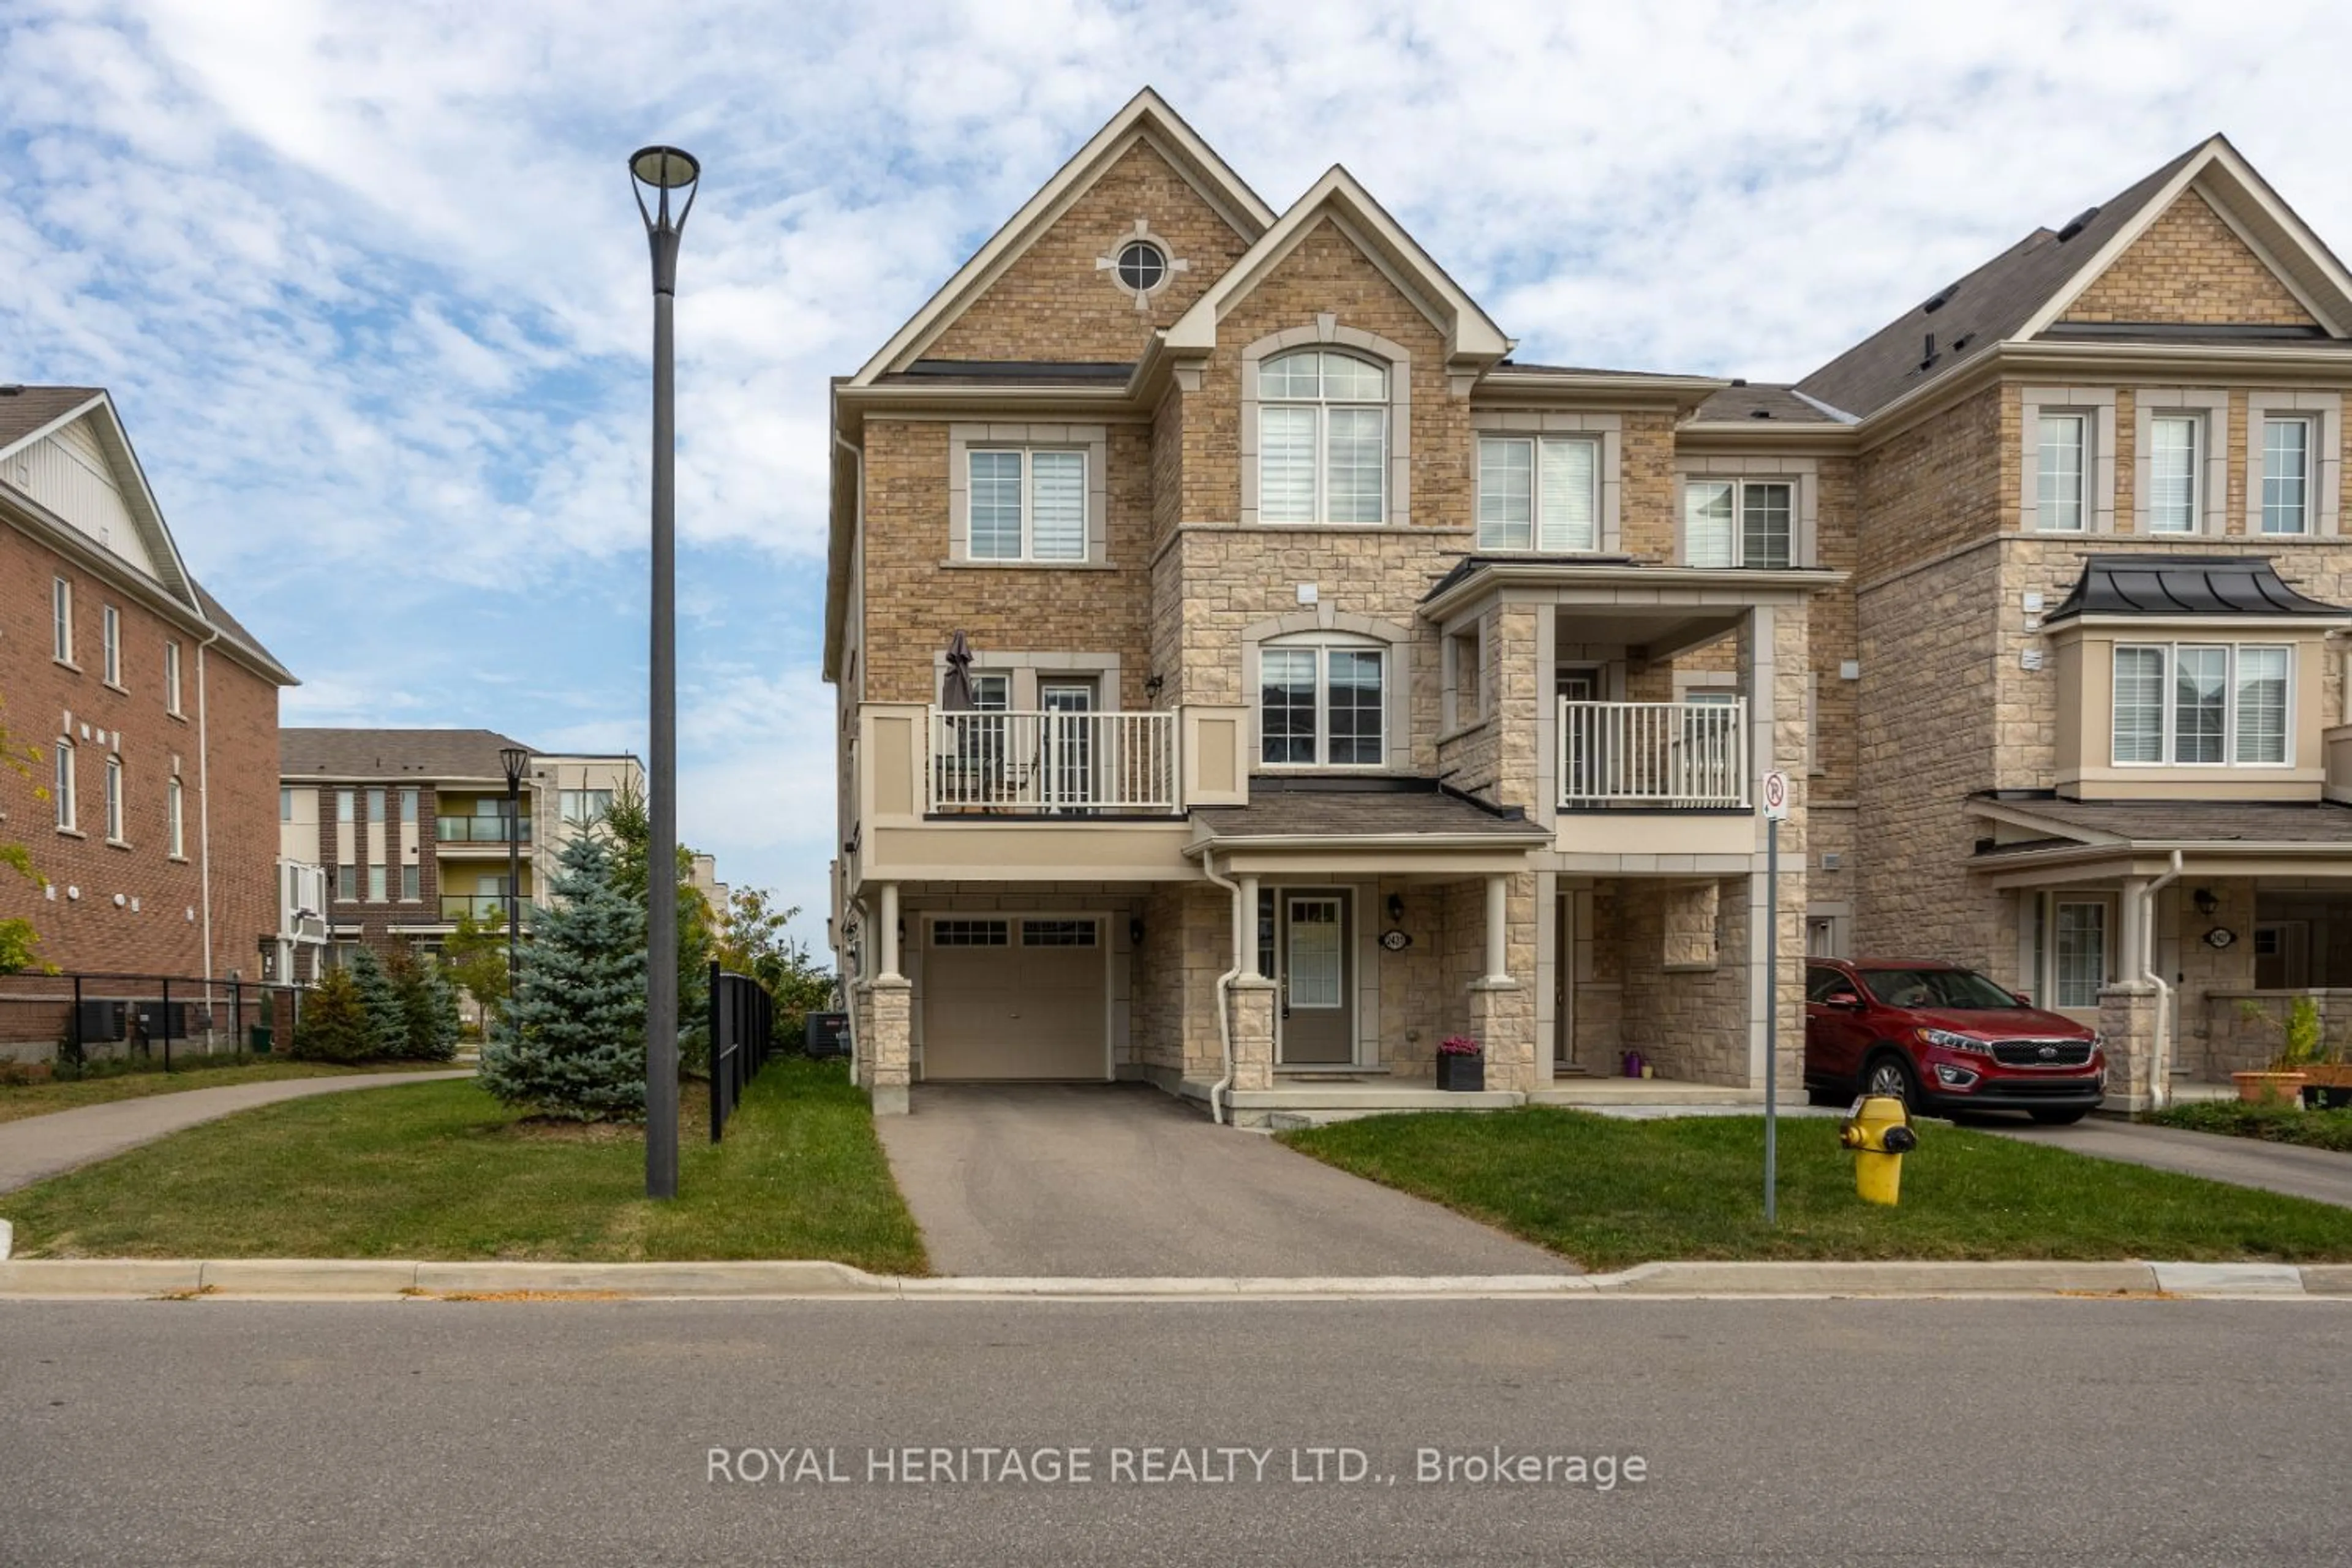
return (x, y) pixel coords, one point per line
(369, 284)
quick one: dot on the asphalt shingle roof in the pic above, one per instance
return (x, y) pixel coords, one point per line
(1341, 808)
(1760, 401)
(392, 754)
(25, 409)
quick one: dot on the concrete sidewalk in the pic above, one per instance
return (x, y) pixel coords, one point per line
(2319, 1173)
(42, 1146)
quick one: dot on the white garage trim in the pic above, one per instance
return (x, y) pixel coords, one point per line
(1107, 935)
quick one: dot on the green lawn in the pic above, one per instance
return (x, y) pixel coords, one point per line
(442, 1170)
(1610, 1192)
(19, 1101)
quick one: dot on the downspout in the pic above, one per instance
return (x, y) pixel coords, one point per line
(856, 906)
(1218, 1090)
(2159, 1072)
(849, 992)
(204, 808)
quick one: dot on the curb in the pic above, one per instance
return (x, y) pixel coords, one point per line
(250, 1279)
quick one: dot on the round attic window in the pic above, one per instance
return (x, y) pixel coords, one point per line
(1142, 266)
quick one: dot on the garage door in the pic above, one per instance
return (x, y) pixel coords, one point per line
(1013, 997)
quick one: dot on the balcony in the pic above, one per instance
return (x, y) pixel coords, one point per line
(1042, 764)
(1653, 756)
(487, 830)
(485, 908)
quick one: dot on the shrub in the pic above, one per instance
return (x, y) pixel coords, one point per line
(335, 1025)
(573, 1043)
(2272, 1123)
(380, 999)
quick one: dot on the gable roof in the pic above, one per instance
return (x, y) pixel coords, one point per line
(335, 754)
(2025, 291)
(1146, 117)
(27, 412)
(64, 405)
(1470, 333)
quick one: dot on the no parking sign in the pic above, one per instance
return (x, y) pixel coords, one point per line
(1776, 798)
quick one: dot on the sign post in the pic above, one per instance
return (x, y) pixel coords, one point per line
(1775, 812)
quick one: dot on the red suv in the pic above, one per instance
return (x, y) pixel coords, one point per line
(1944, 1038)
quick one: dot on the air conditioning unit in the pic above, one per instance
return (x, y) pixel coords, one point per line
(102, 1021)
(1831, 860)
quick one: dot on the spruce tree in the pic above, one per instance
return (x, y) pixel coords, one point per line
(380, 1000)
(335, 1027)
(429, 1009)
(573, 1043)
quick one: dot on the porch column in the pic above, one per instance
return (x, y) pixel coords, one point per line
(1499, 963)
(1247, 916)
(2131, 947)
(1253, 1027)
(886, 940)
(890, 1044)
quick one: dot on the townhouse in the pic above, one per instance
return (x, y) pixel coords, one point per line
(1250, 673)
(153, 711)
(417, 829)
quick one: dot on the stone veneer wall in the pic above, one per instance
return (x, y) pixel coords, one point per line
(2188, 266)
(1053, 304)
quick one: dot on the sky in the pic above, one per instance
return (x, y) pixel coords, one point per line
(368, 285)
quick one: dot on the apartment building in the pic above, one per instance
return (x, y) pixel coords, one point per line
(1250, 672)
(415, 830)
(153, 710)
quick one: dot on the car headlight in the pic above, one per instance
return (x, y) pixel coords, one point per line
(1952, 1042)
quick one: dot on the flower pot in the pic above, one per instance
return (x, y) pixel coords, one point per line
(2269, 1087)
(2327, 1074)
(1462, 1074)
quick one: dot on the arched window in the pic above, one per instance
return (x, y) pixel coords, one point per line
(1323, 702)
(1323, 421)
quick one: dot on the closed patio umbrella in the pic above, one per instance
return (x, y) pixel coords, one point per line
(955, 692)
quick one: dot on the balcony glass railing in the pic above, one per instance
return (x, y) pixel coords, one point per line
(481, 830)
(1659, 755)
(489, 908)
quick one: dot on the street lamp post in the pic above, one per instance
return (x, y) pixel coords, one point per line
(663, 171)
(514, 759)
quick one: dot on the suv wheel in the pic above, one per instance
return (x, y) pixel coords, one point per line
(1889, 1074)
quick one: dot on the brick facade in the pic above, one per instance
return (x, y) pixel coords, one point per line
(2188, 265)
(230, 788)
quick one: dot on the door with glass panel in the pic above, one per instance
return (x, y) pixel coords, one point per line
(1067, 744)
(2078, 952)
(1315, 1004)
(1588, 765)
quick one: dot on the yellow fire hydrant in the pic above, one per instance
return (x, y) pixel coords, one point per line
(1879, 1131)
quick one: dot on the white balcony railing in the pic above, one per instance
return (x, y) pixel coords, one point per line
(1053, 763)
(1662, 755)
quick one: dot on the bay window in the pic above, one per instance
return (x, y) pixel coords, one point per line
(1739, 522)
(1027, 505)
(1538, 493)
(1322, 706)
(1322, 439)
(2201, 705)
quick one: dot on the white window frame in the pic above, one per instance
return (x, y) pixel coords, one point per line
(109, 644)
(2080, 420)
(1318, 512)
(61, 626)
(172, 677)
(2095, 406)
(2168, 652)
(1694, 484)
(174, 828)
(2323, 458)
(1321, 648)
(2306, 511)
(2193, 521)
(2046, 989)
(1535, 446)
(1027, 456)
(114, 800)
(66, 788)
(2208, 412)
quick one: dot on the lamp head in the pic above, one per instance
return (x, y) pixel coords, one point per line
(664, 168)
(516, 760)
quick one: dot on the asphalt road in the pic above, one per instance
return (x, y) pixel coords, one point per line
(1800, 1433)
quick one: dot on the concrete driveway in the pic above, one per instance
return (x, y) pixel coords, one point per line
(1121, 1181)
(2320, 1174)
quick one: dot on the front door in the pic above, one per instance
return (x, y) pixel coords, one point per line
(1315, 1001)
(1068, 743)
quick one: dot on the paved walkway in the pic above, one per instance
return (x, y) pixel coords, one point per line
(2320, 1174)
(41, 1146)
(1121, 1181)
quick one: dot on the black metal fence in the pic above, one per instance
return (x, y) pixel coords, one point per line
(742, 1036)
(73, 1020)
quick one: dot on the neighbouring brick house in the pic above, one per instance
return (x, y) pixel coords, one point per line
(155, 711)
(1339, 683)
(413, 828)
